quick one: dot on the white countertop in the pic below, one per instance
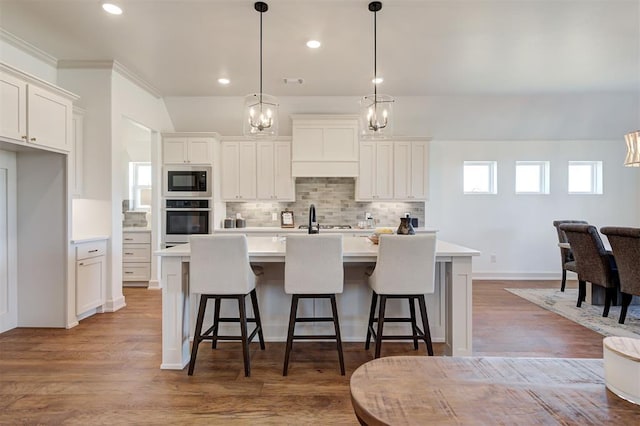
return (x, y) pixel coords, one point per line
(279, 230)
(136, 229)
(88, 238)
(355, 249)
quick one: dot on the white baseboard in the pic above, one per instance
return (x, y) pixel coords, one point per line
(154, 285)
(523, 276)
(114, 305)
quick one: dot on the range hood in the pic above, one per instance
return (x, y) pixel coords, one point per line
(324, 145)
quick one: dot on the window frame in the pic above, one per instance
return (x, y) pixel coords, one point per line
(135, 190)
(492, 175)
(543, 178)
(596, 177)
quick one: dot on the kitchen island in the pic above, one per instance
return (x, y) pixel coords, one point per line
(449, 308)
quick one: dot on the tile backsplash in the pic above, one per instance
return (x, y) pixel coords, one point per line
(334, 199)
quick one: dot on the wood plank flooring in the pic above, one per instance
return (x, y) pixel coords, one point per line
(106, 370)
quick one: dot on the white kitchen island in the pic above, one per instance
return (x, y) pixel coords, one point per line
(449, 309)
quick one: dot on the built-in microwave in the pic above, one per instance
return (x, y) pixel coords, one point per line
(187, 181)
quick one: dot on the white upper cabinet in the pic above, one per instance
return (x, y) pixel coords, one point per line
(76, 154)
(393, 170)
(257, 171)
(238, 171)
(274, 171)
(375, 181)
(411, 177)
(35, 112)
(324, 145)
(187, 150)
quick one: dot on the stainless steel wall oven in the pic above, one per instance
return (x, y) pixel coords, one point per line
(183, 218)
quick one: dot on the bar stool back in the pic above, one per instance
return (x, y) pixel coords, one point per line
(405, 269)
(220, 269)
(313, 269)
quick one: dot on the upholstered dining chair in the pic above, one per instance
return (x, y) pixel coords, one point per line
(595, 264)
(405, 269)
(625, 245)
(219, 270)
(566, 255)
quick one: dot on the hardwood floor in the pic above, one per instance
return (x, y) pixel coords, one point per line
(106, 370)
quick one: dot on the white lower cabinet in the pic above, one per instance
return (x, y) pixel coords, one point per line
(91, 275)
(136, 256)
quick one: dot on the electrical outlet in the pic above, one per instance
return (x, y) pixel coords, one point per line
(274, 217)
(493, 258)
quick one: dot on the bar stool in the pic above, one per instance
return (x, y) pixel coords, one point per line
(405, 269)
(313, 270)
(220, 270)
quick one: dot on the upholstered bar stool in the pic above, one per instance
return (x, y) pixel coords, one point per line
(220, 270)
(405, 269)
(313, 270)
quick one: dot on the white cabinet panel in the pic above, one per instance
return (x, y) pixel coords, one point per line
(13, 107)
(76, 155)
(238, 171)
(247, 171)
(402, 170)
(274, 171)
(91, 275)
(136, 256)
(375, 182)
(419, 171)
(265, 171)
(187, 150)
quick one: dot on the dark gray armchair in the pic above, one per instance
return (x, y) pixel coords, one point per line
(625, 244)
(566, 255)
(595, 264)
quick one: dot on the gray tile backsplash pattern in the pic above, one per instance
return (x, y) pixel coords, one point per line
(335, 203)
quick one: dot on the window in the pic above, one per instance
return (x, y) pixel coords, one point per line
(480, 177)
(532, 177)
(585, 177)
(140, 185)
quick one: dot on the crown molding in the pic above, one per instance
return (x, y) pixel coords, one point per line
(112, 65)
(27, 48)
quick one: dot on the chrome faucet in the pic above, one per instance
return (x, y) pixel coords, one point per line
(314, 227)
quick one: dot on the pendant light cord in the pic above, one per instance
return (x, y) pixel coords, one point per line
(261, 60)
(375, 59)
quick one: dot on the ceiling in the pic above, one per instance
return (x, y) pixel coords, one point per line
(426, 47)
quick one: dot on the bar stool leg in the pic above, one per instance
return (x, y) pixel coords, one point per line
(564, 279)
(216, 323)
(425, 324)
(336, 324)
(197, 335)
(383, 302)
(243, 332)
(414, 326)
(256, 314)
(582, 292)
(372, 311)
(292, 325)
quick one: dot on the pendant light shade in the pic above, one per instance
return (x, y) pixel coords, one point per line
(260, 109)
(376, 110)
(633, 149)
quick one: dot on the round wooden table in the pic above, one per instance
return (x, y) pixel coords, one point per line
(471, 390)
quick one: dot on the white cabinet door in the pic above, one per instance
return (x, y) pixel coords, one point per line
(411, 175)
(199, 150)
(265, 169)
(238, 171)
(247, 169)
(174, 150)
(50, 118)
(384, 171)
(375, 181)
(419, 170)
(13, 107)
(284, 185)
(90, 281)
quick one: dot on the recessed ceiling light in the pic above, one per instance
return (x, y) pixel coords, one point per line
(112, 8)
(224, 81)
(313, 44)
(377, 80)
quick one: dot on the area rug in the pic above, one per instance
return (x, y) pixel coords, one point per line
(589, 316)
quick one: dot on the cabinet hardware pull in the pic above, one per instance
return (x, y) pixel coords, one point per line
(82, 264)
(128, 239)
(24, 137)
(33, 139)
(130, 254)
(128, 272)
(93, 251)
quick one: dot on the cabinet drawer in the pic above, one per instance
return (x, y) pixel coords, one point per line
(136, 272)
(136, 238)
(136, 253)
(88, 250)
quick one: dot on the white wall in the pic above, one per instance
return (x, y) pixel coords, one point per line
(517, 229)
(9, 54)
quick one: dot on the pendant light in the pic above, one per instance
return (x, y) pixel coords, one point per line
(633, 149)
(260, 109)
(376, 110)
